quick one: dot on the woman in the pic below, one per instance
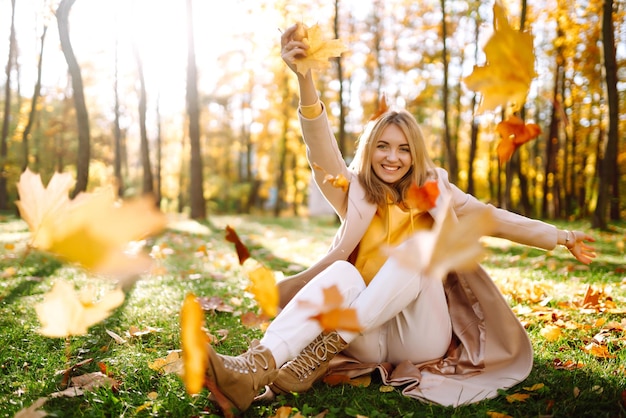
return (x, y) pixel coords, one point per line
(451, 340)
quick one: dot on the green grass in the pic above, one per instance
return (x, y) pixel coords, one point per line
(537, 284)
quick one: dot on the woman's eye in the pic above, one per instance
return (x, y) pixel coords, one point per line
(381, 146)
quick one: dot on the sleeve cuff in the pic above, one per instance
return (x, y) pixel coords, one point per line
(311, 111)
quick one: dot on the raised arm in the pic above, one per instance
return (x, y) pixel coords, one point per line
(293, 47)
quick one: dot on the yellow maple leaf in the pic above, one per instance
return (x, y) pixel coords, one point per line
(263, 287)
(194, 341)
(63, 312)
(551, 332)
(510, 67)
(319, 52)
(94, 229)
(513, 134)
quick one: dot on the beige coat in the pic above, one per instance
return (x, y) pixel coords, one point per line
(490, 348)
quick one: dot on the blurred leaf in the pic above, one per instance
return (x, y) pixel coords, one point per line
(513, 134)
(263, 287)
(242, 250)
(422, 198)
(64, 313)
(510, 66)
(194, 341)
(332, 314)
(32, 411)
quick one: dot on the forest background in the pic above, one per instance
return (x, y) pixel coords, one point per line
(190, 100)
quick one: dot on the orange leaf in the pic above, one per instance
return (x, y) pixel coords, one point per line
(193, 340)
(510, 66)
(242, 250)
(422, 198)
(319, 52)
(332, 315)
(382, 107)
(339, 181)
(514, 133)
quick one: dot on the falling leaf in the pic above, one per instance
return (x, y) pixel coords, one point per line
(383, 107)
(254, 320)
(551, 332)
(172, 363)
(319, 52)
(510, 66)
(448, 246)
(422, 198)
(513, 134)
(263, 287)
(517, 397)
(193, 340)
(94, 229)
(332, 315)
(242, 250)
(32, 411)
(64, 313)
(339, 181)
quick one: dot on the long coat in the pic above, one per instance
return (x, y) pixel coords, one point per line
(490, 349)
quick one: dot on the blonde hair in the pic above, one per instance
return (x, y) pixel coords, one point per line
(422, 167)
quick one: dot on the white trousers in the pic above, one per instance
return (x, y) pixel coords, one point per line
(403, 316)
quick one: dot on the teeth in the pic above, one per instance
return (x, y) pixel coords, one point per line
(391, 168)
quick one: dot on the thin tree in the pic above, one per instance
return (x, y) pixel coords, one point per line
(196, 190)
(82, 116)
(33, 105)
(117, 131)
(341, 134)
(7, 114)
(450, 147)
(609, 170)
(148, 182)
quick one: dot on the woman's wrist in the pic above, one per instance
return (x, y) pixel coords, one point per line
(568, 239)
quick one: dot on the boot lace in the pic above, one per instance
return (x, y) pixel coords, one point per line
(315, 354)
(247, 362)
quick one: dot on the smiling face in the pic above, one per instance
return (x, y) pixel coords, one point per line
(391, 156)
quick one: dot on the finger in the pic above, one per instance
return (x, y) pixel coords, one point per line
(287, 35)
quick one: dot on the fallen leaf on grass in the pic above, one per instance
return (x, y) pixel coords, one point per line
(492, 414)
(320, 51)
(32, 411)
(193, 339)
(517, 397)
(172, 363)
(597, 350)
(551, 333)
(332, 314)
(64, 313)
(214, 304)
(85, 383)
(338, 379)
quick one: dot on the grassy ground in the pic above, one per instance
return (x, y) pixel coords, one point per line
(580, 353)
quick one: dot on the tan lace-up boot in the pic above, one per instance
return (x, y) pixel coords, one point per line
(238, 379)
(299, 374)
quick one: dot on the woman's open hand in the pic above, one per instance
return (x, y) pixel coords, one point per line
(579, 248)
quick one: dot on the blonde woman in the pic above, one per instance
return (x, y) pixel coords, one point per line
(451, 340)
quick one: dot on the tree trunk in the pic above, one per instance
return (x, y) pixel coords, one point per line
(148, 182)
(82, 117)
(341, 135)
(608, 190)
(6, 120)
(196, 189)
(159, 156)
(450, 147)
(117, 132)
(33, 105)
